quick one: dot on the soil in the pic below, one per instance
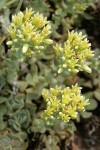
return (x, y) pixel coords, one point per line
(88, 133)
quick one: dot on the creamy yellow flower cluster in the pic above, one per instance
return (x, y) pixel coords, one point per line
(73, 55)
(29, 31)
(63, 104)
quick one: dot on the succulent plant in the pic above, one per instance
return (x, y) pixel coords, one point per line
(63, 104)
(72, 57)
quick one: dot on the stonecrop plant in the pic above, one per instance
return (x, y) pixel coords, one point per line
(29, 37)
(73, 55)
(29, 32)
(63, 104)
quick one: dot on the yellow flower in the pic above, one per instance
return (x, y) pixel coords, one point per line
(30, 29)
(63, 104)
(74, 53)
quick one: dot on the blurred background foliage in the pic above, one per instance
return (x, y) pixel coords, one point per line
(21, 84)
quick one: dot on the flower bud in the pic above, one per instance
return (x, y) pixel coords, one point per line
(87, 69)
(9, 43)
(25, 48)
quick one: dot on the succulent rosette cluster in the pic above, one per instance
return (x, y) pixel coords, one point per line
(29, 32)
(73, 55)
(63, 103)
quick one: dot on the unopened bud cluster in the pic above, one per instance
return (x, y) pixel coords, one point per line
(29, 32)
(63, 104)
(73, 55)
